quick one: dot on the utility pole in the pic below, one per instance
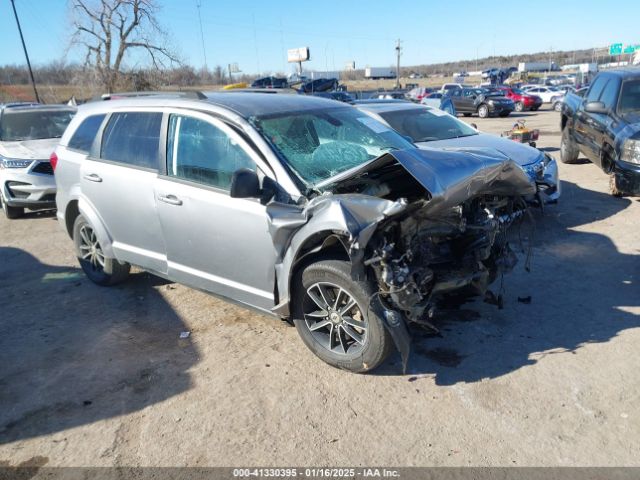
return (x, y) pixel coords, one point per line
(33, 81)
(204, 51)
(398, 53)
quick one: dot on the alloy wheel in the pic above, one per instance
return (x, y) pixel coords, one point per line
(334, 318)
(90, 249)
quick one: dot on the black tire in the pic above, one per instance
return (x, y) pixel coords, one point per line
(332, 276)
(519, 106)
(11, 212)
(483, 111)
(100, 269)
(568, 150)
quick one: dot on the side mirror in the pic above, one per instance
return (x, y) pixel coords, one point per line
(245, 184)
(595, 107)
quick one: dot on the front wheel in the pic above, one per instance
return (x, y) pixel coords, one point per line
(557, 106)
(11, 212)
(100, 269)
(483, 111)
(338, 318)
(568, 151)
(519, 106)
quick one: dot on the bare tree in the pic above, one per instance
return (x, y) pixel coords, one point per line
(108, 29)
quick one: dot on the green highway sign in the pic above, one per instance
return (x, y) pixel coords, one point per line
(615, 49)
(631, 49)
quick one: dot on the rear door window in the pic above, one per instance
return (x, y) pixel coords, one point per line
(133, 138)
(86, 133)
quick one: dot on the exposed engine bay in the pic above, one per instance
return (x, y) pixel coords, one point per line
(420, 258)
(424, 223)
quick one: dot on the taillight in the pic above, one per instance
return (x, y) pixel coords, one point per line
(53, 159)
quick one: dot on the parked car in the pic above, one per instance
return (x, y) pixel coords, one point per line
(339, 96)
(440, 101)
(298, 206)
(28, 135)
(448, 87)
(491, 71)
(390, 95)
(604, 125)
(470, 101)
(522, 100)
(319, 85)
(270, 82)
(431, 128)
(545, 93)
(418, 93)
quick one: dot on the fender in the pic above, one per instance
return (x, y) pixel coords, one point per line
(88, 211)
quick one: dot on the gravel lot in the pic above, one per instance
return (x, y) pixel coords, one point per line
(97, 376)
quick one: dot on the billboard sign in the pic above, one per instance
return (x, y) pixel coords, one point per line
(296, 55)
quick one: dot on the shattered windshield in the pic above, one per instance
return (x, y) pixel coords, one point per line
(318, 144)
(34, 124)
(426, 125)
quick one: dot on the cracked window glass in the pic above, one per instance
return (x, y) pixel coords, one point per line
(318, 144)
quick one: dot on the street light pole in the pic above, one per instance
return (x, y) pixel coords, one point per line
(398, 53)
(33, 81)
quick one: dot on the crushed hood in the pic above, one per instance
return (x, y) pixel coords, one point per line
(522, 154)
(451, 176)
(29, 149)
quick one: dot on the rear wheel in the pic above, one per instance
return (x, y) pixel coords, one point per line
(483, 111)
(519, 106)
(568, 150)
(96, 265)
(557, 106)
(11, 212)
(338, 318)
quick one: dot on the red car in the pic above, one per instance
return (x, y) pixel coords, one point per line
(522, 100)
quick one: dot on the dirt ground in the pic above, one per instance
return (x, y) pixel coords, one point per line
(93, 376)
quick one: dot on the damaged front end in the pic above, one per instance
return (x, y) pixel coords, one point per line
(421, 224)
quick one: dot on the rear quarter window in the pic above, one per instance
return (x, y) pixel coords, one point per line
(85, 134)
(133, 138)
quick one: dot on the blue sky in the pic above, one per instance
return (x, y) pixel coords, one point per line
(256, 34)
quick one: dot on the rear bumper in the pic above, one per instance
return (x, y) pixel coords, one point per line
(627, 177)
(28, 190)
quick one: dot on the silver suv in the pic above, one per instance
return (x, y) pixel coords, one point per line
(300, 207)
(28, 134)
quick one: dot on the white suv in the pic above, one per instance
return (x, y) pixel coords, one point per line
(28, 135)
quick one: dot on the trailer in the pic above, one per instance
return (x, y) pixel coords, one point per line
(376, 73)
(537, 67)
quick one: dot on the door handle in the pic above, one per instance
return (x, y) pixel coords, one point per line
(170, 199)
(92, 177)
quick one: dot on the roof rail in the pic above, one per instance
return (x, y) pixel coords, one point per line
(19, 104)
(194, 94)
